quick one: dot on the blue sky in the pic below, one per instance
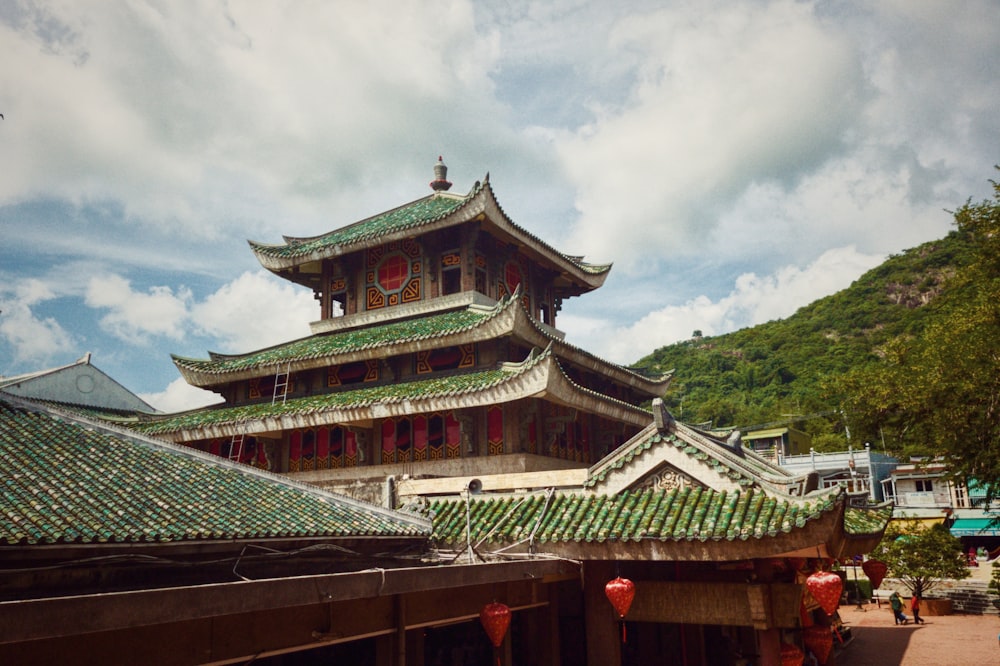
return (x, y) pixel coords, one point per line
(735, 160)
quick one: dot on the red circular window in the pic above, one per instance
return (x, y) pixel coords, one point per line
(393, 273)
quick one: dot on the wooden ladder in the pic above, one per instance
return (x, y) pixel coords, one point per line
(236, 447)
(281, 384)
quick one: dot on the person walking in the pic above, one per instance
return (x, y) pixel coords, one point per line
(915, 608)
(896, 603)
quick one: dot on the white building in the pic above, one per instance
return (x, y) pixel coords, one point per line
(856, 470)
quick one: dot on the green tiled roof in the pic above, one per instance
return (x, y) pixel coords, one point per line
(407, 217)
(692, 513)
(319, 346)
(419, 212)
(351, 399)
(65, 481)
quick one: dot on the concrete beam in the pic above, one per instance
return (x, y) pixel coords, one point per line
(66, 616)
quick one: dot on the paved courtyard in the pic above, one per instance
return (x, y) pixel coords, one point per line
(947, 640)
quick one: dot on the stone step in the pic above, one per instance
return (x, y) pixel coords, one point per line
(974, 600)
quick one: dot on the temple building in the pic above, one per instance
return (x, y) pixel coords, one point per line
(436, 354)
(434, 449)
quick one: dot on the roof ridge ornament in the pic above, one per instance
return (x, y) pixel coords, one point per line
(663, 419)
(440, 182)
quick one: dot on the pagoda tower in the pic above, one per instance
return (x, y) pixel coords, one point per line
(436, 348)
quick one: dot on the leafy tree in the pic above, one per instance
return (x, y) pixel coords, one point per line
(921, 559)
(787, 371)
(939, 393)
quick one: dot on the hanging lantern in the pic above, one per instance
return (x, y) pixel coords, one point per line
(826, 588)
(791, 655)
(819, 639)
(496, 619)
(875, 570)
(620, 592)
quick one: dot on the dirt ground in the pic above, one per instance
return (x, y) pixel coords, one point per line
(945, 640)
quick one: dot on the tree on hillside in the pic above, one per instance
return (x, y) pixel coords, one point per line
(922, 559)
(939, 393)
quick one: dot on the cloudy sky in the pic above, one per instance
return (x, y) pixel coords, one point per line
(736, 160)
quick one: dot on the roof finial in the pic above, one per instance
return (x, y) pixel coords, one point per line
(440, 182)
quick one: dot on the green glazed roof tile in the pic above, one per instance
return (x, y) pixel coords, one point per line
(867, 521)
(355, 398)
(408, 216)
(72, 482)
(678, 515)
(319, 346)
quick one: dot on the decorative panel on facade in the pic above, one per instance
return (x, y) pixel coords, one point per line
(494, 430)
(420, 437)
(393, 275)
(512, 277)
(353, 373)
(322, 448)
(448, 358)
(453, 437)
(263, 387)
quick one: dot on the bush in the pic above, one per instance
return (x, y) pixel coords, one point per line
(852, 588)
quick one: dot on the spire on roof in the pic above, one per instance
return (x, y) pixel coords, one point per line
(440, 182)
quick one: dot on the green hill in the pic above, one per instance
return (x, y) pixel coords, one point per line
(784, 372)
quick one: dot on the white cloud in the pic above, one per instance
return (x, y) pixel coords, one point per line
(204, 115)
(722, 98)
(135, 316)
(688, 142)
(753, 300)
(180, 396)
(256, 310)
(33, 339)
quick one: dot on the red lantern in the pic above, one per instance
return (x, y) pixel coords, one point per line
(875, 570)
(791, 655)
(496, 619)
(826, 588)
(620, 592)
(820, 640)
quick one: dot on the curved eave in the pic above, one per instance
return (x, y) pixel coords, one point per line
(508, 318)
(538, 377)
(572, 269)
(277, 259)
(499, 323)
(480, 202)
(528, 330)
(864, 526)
